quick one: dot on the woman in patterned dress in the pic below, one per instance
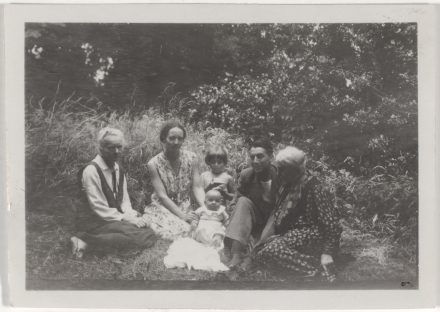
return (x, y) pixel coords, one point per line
(303, 232)
(175, 176)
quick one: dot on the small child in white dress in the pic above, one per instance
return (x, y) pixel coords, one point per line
(210, 228)
(217, 178)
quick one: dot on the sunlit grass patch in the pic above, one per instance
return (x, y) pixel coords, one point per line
(374, 259)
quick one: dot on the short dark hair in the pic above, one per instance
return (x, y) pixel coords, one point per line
(167, 126)
(263, 143)
(218, 151)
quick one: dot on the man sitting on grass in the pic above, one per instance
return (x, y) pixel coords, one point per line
(254, 201)
(107, 220)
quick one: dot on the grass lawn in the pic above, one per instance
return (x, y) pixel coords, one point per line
(375, 263)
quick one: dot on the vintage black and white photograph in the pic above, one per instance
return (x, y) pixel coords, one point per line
(221, 156)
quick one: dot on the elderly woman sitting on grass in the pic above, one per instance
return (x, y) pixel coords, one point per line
(106, 219)
(303, 232)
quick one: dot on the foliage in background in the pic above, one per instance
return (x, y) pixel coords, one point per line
(126, 66)
(345, 93)
(62, 140)
(384, 205)
(348, 91)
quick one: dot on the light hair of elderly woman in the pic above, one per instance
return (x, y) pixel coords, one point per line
(107, 132)
(291, 156)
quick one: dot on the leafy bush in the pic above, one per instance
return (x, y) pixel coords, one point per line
(359, 107)
(238, 104)
(344, 93)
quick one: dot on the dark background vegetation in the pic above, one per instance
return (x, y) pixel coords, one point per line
(345, 93)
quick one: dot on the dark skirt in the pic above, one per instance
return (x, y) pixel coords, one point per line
(298, 250)
(118, 235)
(109, 235)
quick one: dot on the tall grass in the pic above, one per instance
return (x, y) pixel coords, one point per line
(61, 138)
(383, 205)
(59, 141)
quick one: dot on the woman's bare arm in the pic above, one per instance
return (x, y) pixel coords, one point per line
(199, 193)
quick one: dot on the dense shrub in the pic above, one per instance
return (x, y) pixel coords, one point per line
(358, 106)
(345, 90)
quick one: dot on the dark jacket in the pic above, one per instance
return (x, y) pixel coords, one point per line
(250, 187)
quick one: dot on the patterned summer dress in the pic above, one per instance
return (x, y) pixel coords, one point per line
(178, 187)
(306, 226)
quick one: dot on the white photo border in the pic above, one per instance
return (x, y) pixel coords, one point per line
(428, 95)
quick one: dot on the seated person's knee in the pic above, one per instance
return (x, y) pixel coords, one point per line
(244, 203)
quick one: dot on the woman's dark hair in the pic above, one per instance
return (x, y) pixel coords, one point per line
(264, 143)
(167, 126)
(216, 151)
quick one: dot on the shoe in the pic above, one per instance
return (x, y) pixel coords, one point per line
(78, 247)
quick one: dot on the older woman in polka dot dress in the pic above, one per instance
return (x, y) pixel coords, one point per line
(303, 232)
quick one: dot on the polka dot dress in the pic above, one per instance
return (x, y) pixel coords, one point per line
(309, 230)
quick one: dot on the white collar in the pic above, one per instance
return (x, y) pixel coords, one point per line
(101, 163)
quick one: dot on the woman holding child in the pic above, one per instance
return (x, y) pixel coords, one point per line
(175, 176)
(302, 233)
